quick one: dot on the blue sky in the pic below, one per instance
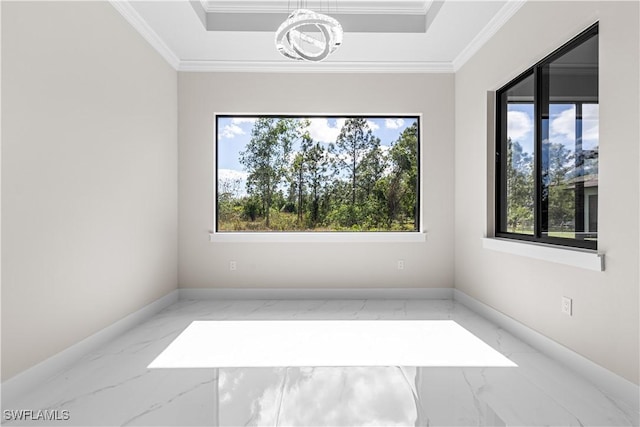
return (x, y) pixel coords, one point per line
(235, 132)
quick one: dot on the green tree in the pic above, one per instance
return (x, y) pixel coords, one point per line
(402, 187)
(372, 168)
(297, 187)
(520, 188)
(299, 167)
(315, 176)
(228, 192)
(266, 158)
(351, 150)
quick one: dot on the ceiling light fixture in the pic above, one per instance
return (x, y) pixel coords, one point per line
(308, 36)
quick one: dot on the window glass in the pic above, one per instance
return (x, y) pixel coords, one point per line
(569, 107)
(317, 174)
(547, 147)
(518, 167)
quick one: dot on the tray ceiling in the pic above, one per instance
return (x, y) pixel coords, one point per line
(380, 36)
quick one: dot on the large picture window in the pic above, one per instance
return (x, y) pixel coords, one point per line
(547, 145)
(317, 174)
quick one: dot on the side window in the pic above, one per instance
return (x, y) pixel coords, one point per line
(547, 149)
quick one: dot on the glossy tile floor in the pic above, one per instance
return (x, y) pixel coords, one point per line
(113, 386)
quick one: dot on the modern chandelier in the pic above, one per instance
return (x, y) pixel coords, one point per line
(308, 36)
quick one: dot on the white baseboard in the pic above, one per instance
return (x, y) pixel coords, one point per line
(316, 293)
(29, 379)
(614, 385)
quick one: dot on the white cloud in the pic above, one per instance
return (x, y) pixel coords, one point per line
(393, 123)
(563, 125)
(230, 131)
(519, 124)
(590, 125)
(590, 111)
(231, 174)
(320, 129)
(242, 393)
(236, 127)
(341, 396)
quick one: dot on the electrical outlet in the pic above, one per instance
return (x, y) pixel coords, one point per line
(567, 304)
(233, 266)
(400, 265)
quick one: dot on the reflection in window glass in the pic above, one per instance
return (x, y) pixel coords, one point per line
(518, 190)
(570, 143)
(558, 160)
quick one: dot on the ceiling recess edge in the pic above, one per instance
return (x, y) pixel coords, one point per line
(185, 65)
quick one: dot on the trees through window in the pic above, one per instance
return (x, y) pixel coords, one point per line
(331, 174)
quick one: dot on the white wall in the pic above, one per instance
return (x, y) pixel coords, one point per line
(296, 265)
(89, 176)
(605, 323)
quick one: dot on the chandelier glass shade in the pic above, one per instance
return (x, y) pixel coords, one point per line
(308, 36)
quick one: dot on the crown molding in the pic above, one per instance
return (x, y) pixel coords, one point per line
(501, 18)
(323, 67)
(139, 24)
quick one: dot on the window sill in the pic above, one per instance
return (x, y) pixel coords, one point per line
(319, 237)
(581, 258)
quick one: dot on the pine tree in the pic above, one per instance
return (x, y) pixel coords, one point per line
(266, 158)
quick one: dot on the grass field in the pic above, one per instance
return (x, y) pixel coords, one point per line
(288, 222)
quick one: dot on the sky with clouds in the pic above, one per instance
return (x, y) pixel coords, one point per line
(315, 395)
(234, 134)
(562, 127)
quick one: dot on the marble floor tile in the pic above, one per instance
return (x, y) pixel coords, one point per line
(112, 385)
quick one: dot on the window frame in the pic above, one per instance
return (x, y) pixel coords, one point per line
(417, 235)
(500, 168)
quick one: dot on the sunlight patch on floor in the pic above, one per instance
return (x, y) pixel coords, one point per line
(289, 343)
